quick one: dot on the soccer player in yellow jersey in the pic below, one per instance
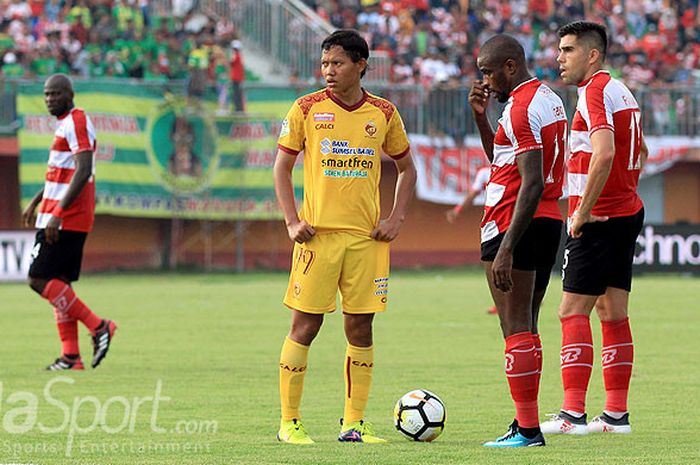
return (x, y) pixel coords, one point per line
(340, 241)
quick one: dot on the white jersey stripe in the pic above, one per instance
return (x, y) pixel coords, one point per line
(54, 190)
(577, 183)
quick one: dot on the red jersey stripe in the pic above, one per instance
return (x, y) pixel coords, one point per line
(59, 175)
(81, 131)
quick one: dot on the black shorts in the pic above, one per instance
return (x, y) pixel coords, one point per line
(58, 260)
(602, 257)
(536, 250)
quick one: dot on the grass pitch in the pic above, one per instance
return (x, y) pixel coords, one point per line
(192, 376)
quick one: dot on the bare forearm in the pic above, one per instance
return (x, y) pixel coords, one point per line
(284, 189)
(405, 184)
(37, 198)
(598, 173)
(76, 186)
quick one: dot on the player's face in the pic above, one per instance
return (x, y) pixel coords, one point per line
(495, 78)
(573, 60)
(339, 71)
(58, 98)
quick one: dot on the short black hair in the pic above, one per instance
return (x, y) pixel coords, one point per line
(503, 47)
(593, 33)
(351, 41)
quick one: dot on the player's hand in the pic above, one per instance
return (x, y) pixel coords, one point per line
(451, 215)
(386, 230)
(578, 219)
(479, 97)
(28, 216)
(51, 230)
(501, 271)
(300, 232)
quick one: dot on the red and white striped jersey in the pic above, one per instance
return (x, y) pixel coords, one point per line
(533, 119)
(74, 134)
(606, 103)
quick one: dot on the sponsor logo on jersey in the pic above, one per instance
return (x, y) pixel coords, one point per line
(324, 126)
(329, 117)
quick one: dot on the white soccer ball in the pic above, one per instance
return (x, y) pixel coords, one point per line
(420, 415)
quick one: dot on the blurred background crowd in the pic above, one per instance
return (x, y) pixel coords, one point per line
(429, 41)
(436, 41)
(114, 38)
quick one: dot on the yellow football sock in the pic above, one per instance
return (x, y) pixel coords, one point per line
(292, 371)
(359, 362)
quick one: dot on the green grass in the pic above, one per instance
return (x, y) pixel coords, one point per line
(212, 342)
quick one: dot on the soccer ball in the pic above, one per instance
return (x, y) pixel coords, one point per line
(420, 415)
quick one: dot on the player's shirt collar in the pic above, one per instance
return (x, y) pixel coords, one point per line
(603, 71)
(523, 85)
(63, 116)
(344, 106)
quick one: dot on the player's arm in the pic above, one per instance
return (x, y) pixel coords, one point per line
(388, 229)
(479, 101)
(81, 176)
(643, 153)
(453, 213)
(298, 230)
(28, 212)
(603, 145)
(531, 188)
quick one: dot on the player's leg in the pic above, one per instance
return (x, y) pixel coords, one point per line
(618, 346)
(515, 314)
(54, 267)
(364, 289)
(548, 236)
(292, 366)
(310, 294)
(586, 264)
(520, 358)
(617, 358)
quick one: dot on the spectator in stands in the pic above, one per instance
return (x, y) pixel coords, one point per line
(237, 77)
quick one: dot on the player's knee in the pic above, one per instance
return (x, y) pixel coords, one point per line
(305, 331)
(359, 332)
(37, 285)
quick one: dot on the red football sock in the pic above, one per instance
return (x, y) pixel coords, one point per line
(538, 353)
(62, 297)
(68, 331)
(618, 354)
(521, 371)
(576, 361)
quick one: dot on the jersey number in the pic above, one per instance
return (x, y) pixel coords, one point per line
(635, 137)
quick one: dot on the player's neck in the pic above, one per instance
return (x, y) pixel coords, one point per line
(524, 77)
(592, 70)
(350, 96)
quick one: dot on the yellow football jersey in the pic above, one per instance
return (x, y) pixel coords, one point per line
(342, 157)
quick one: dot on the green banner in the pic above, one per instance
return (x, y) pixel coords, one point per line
(160, 155)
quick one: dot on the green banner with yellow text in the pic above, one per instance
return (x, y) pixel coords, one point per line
(160, 155)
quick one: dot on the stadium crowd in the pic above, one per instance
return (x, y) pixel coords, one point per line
(435, 41)
(113, 38)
